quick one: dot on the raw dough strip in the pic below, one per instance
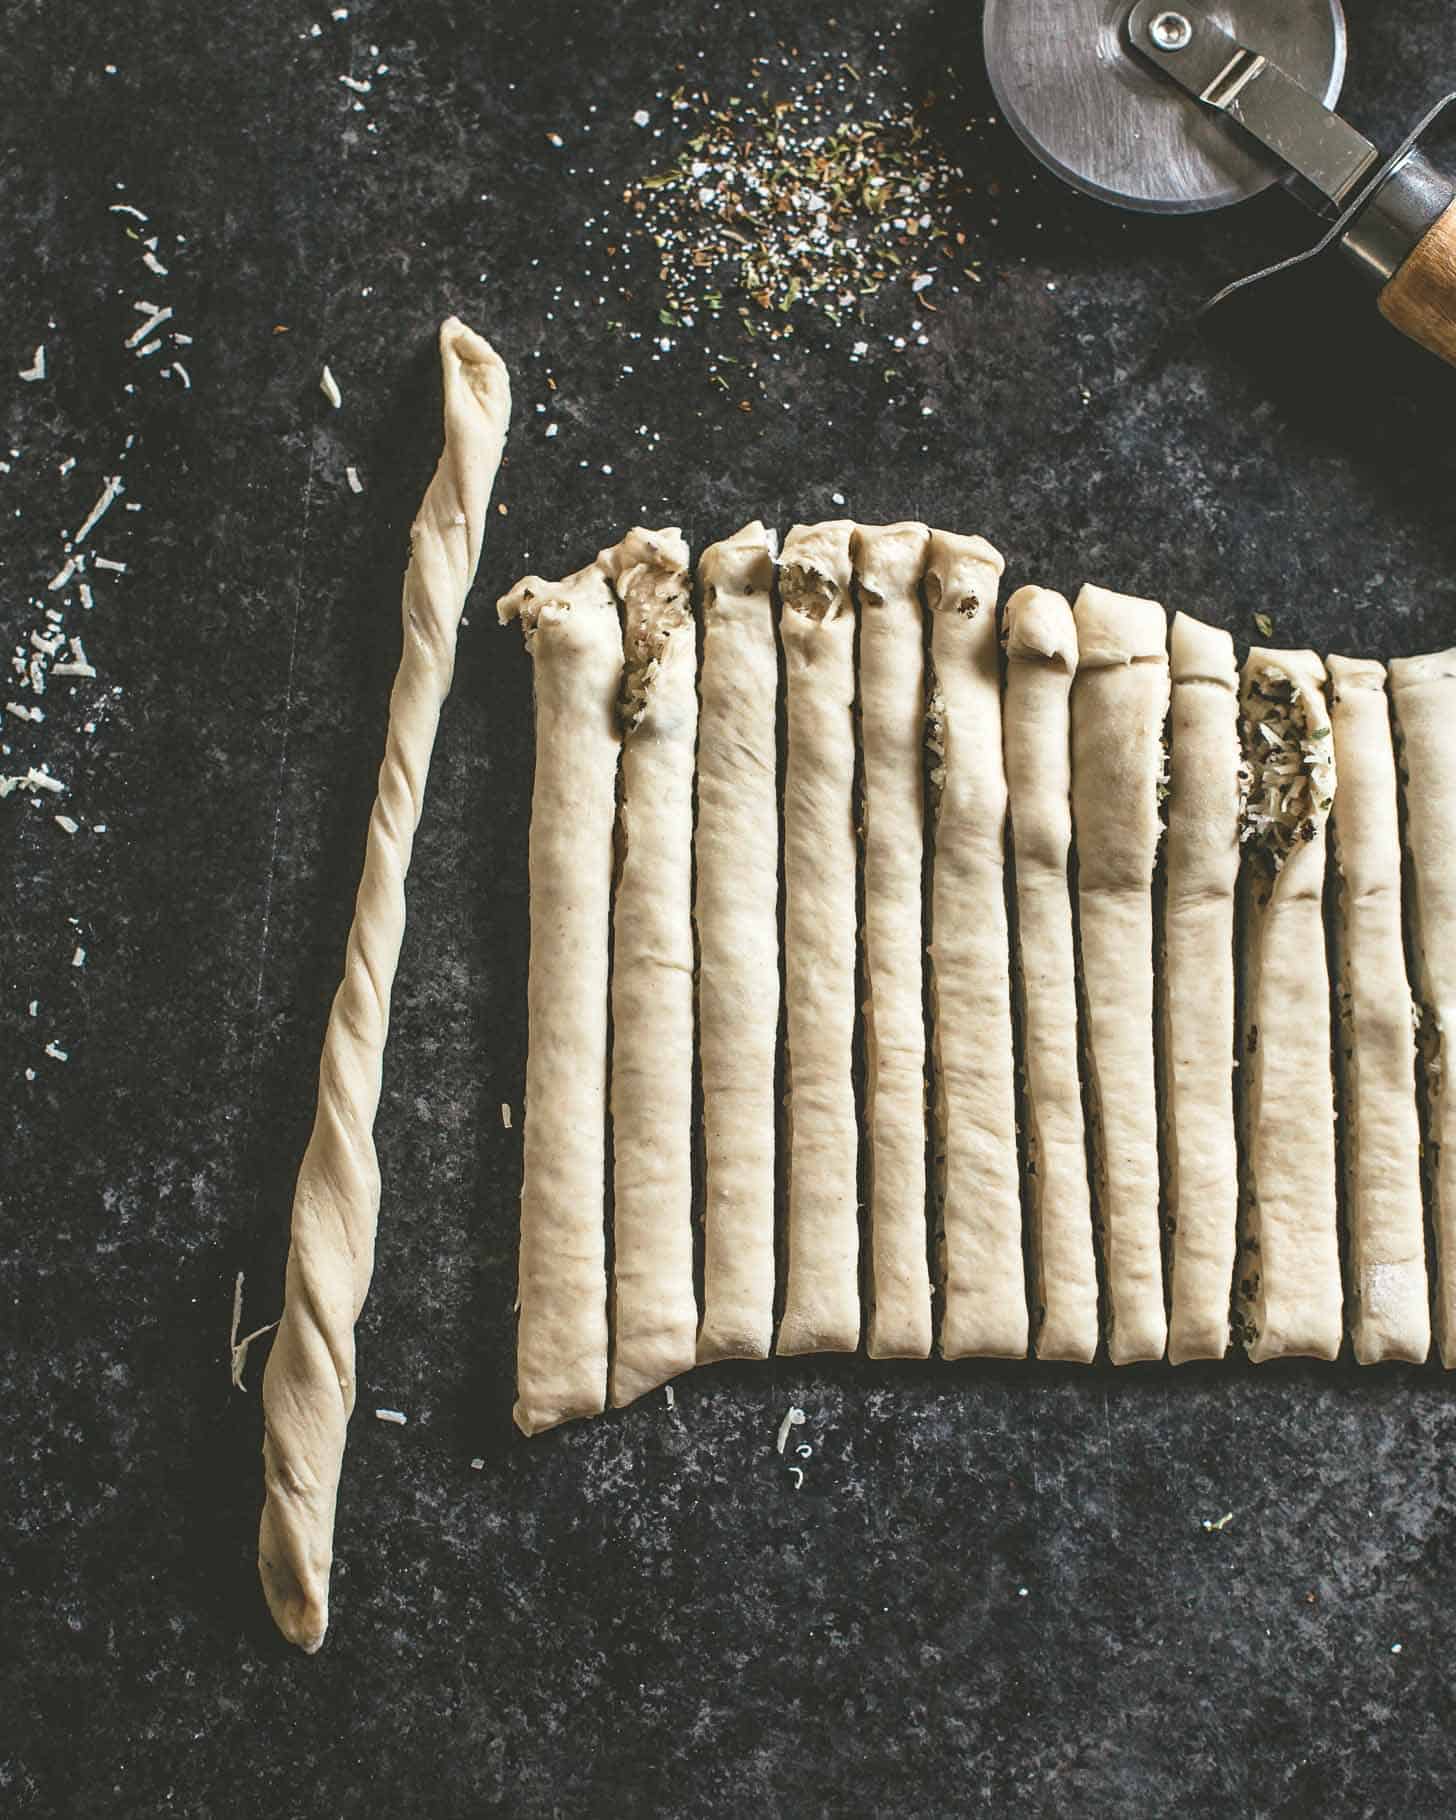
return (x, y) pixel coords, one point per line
(654, 1305)
(1119, 705)
(888, 563)
(979, 1193)
(737, 851)
(821, 1309)
(1390, 1314)
(309, 1386)
(1289, 1268)
(1041, 652)
(1198, 987)
(1423, 690)
(575, 640)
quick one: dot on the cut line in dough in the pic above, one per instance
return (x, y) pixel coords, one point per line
(736, 911)
(1119, 706)
(1288, 1296)
(1389, 1306)
(978, 1198)
(1423, 690)
(1200, 1146)
(888, 563)
(575, 641)
(1041, 660)
(821, 1308)
(654, 1314)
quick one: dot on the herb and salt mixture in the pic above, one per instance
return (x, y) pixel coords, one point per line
(808, 190)
(1287, 778)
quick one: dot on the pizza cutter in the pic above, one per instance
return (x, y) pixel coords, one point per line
(1177, 109)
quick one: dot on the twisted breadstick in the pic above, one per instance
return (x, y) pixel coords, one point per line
(308, 1388)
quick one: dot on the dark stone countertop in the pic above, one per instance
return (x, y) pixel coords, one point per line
(995, 1592)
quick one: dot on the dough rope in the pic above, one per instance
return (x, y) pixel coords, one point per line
(654, 1304)
(979, 1191)
(1119, 706)
(1423, 690)
(575, 640)
(309, 1384)
(1041, 660)
(736, 911)
(888, 563)
(1389, 1302)
(1200, 1147)
(1289, 1269)
(821, 1311)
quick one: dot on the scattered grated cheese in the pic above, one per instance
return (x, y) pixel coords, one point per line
(352, 476)
(37, 368)
(155, 318)
(798, 1477)
(505, 1115)
(125, 208)
(65, 823)
(793, 1418)
(1210, 1526)
(153, 264)
(110, 493)
(62, 576)
(56, 1053)
(182, 373)
(671, 1396)
(359, 88)
(21, 712)
(329, 386)
(105, 562)
(78, 959)
(477, 1464)
(396, 1416)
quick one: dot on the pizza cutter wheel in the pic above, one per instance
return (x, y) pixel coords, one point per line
(1184, 108)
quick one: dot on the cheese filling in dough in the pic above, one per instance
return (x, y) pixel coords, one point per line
(575, 640)
(309, 1385)
(888, 562)
(737, 850)
(1423, 690)
(978, 1195)
(1119, 705)
(654, 1304)
(821, 1309)
(1388, 1292)
(1041, 654)
(1289, 1269)
(1198, 987)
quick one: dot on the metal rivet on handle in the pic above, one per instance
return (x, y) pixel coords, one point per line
(1171, 32)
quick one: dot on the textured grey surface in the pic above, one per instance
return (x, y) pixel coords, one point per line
(639, 1615)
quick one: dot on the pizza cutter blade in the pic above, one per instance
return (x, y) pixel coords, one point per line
(1182, 108)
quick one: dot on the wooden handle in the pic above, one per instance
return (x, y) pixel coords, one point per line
(1421, 298)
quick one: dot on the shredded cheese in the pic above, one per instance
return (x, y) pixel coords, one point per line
(793, 1418)
(329, 386)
